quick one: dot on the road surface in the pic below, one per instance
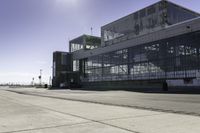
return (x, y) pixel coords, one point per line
(44, 111)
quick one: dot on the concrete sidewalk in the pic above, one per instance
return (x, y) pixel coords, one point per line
(188, 104)
(21, 113)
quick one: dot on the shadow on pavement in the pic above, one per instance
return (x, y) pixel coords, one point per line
(177, 90)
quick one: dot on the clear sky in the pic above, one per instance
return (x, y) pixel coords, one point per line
(30, 30)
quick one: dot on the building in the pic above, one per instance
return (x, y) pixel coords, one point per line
(154, 46)
(61, 68)
(66, 72)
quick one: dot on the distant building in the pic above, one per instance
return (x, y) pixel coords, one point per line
(158, 44)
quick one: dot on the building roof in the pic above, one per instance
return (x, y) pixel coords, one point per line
(82, 36)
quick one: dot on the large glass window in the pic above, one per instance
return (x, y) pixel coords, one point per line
(138, 23)
(177, 14)
(75, 65)
(76, 47)
(176, 57)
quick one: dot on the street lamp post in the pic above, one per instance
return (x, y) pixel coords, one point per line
(40, 77)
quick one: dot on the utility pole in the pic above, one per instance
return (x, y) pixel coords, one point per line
(40, 77)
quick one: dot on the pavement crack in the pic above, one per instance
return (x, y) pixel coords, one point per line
(96, 121)
(73, 115)
(129, 117)
(48, 127)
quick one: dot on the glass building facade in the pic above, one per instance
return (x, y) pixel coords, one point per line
(149, 19)
(171, 58)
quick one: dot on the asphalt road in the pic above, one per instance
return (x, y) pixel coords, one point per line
(26, 110)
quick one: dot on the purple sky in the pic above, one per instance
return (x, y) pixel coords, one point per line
(30, 30)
